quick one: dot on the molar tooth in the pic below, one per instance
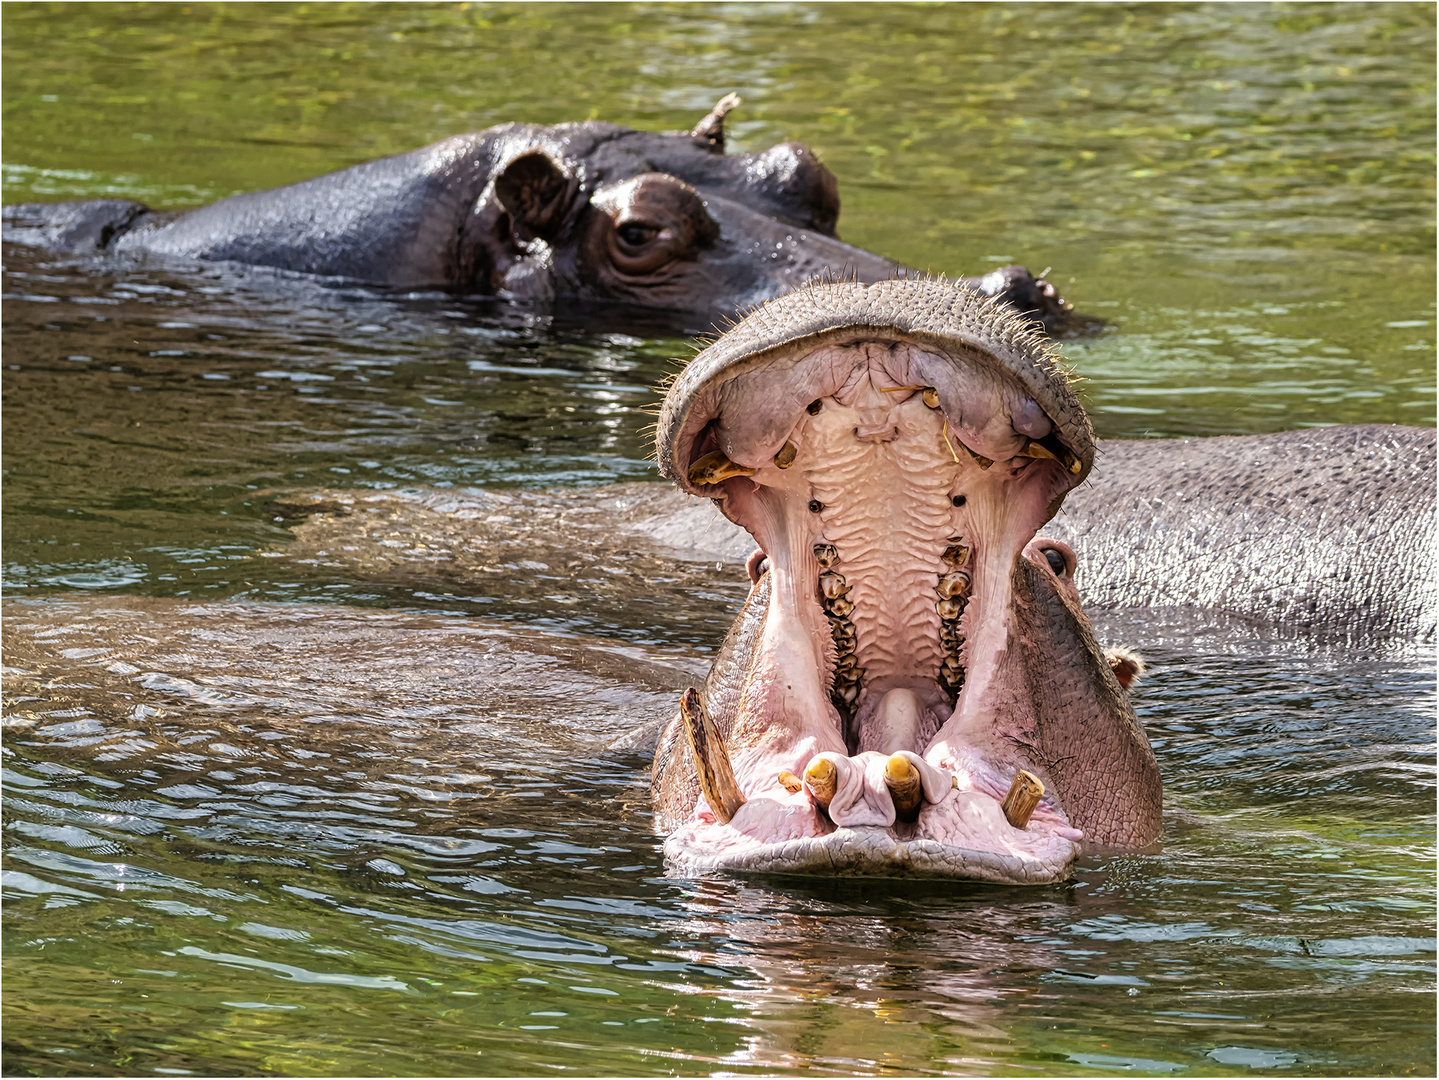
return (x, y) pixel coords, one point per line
(849, 693)
(955, 555)
(840, 606)
(715, 468)
(823, 779)
(1024, 795)
(931, 397)
(712, 763)
(826, 555)
(950, 609)
(953, 584)
(785, 458)
(902, 779)
(833, 586)
(790, 782)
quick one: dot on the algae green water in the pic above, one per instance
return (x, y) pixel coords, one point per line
(269, 816)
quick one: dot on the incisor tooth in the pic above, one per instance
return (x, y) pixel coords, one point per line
(712, 763)
(902, 779)
(715, 468)
(1024, 795)
(823, 779)
(785, 458)
(790, 782)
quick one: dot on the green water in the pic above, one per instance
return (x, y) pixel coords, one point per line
(267, 816)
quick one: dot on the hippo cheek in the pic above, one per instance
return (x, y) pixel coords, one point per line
(913, 688)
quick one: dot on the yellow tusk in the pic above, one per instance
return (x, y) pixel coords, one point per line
(902, 779)
(715, 468)
(1024, 795)
(712, 764)
(785, 458)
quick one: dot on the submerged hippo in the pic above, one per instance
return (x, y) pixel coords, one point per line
(587, 212)
(911, 686)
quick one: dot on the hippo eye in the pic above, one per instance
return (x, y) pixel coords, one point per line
(633, 234)
(1055, 560)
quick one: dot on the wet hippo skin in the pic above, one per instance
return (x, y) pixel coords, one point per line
(579, 212)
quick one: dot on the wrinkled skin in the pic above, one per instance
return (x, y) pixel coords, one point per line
(580, 212)
(893, 450)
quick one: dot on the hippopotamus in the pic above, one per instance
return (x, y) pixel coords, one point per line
(912, 686)
(575, 213)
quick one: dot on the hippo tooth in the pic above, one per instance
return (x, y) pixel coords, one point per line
(789, 781)
(949, 609)
(785, 458)
(833, 586)
(1024, 795)
(979, 459)
(823, 779)
(902, 779)
(840, 606)
(931, 397)
(712, 763)
(1035, 449)
(849, 694)
(826, 555)
(955, 555)
(714, 468)
(952, 585)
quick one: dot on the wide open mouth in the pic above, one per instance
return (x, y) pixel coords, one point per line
(893, 475)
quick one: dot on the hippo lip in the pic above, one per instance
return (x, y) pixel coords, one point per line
(910, 648)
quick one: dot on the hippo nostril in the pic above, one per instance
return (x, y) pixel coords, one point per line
(1055, 558)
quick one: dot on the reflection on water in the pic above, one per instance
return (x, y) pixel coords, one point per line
(276, 806)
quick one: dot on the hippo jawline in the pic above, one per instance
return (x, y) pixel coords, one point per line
(908, 646)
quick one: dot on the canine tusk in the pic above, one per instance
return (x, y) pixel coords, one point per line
(1024, 795)
(902, 779)
(711, 758)
(715, 468)
(785, 458)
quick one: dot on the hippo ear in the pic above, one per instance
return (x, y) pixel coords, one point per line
(535, 190)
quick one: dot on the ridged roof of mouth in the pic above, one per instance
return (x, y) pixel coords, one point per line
(893, 449)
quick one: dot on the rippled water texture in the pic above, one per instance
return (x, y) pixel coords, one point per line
(290, 792)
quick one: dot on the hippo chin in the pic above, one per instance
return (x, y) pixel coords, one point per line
(911, 687)
(575, 212)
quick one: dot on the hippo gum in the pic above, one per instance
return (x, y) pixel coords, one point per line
(911, 686)
(586, 212)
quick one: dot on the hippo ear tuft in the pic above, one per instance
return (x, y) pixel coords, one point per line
(536, 191)
(710, 130)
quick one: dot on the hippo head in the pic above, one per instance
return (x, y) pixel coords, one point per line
(594, 211)
(912, 687)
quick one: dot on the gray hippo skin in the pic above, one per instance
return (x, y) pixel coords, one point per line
(588, 211)
(911, 658)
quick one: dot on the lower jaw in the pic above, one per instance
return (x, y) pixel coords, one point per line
(963, 837)
(869, 851)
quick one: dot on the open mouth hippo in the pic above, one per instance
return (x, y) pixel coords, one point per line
(911, 687)
(588, 212)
